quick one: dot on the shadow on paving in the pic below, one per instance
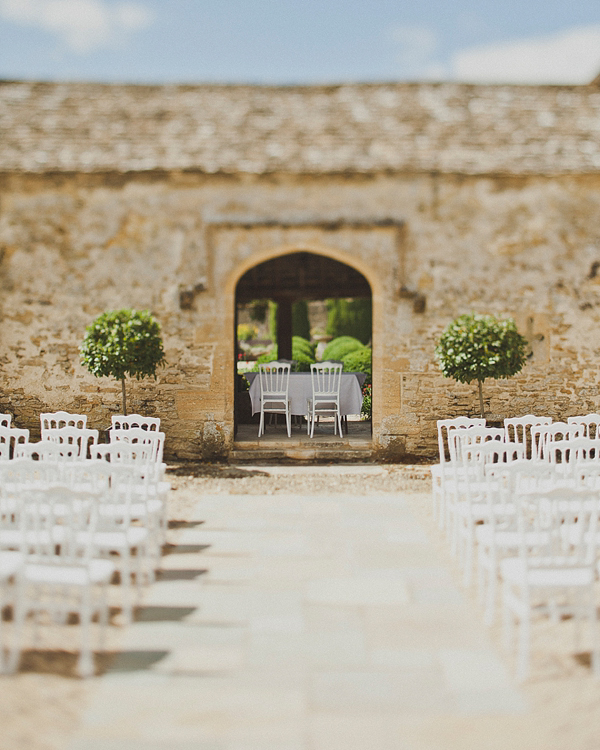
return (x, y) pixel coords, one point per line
(64, 663)
(184, 524)
(180, 575)
(212, 471)
(162, 614)
(183, 549)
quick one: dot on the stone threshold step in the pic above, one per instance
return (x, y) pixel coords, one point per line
(300, 455)
(284, 445)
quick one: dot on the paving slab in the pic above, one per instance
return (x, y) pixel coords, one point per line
(295, 622)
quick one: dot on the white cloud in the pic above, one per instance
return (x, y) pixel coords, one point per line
(571, 57)
(82, 25)
(416, 50)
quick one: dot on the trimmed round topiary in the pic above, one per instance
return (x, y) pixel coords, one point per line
(123, 343)
(300, 344)
(476, 347)
(338, 348)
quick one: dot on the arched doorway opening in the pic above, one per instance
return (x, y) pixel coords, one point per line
(292, 289)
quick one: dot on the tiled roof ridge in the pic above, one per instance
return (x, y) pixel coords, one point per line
(367, 127)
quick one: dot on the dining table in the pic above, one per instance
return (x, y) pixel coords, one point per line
(300, 391)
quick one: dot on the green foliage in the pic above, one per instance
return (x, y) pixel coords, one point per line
(339, 347)
(300, 321)
(300, 344)
(349, 317)
(272, 320)
(246, 332)
(367, 404)
(475, 347)
(122, 343)
(302, 352)
(258, 309)
(360, 360)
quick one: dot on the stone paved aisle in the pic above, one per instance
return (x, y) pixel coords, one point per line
(302, 623)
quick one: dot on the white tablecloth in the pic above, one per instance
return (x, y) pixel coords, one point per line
(301, 390)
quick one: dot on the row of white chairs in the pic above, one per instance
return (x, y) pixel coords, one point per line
(74, 439)
(66, 526)
(527, 499)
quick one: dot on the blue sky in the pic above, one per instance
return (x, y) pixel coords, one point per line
(300, 41)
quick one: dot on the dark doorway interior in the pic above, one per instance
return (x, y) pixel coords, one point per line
(286, 280)
(296, 276)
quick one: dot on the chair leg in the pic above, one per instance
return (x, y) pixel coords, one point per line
(261, 424)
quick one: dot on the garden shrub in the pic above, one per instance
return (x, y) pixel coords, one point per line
(339, 347)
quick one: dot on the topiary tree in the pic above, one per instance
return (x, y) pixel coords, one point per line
(121, 343)
(338, 348)
(476, 347)
(349, 317)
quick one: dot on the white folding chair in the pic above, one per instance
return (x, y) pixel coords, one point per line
(12, 440)
(543, 435)
(11, 565)
(440, 472)
(121, 422)
(590, 424)
(552, 565)
(60, 574)
(151, 440)
(274, 393)
(74, 442)
(518, 430)
(43, 450)
(326, 378)
(56, 419)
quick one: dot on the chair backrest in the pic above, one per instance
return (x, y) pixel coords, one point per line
(518, 429)
(121, 422)
(63, 510)
(22, 473)
(579, 450)
(5, 420)
(44, 450)
(460, 437)
(554, 514)
(123, 452)
(57, 419)
(590, 424)
(137, 436)
(542, 435)
(274, 379)
(74, 442)
(11, 441)
(326, 378)
(479, 454)
(458, 423)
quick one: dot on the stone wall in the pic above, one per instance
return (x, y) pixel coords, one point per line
(432, 247)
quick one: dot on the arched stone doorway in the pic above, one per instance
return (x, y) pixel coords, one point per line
(295, 276)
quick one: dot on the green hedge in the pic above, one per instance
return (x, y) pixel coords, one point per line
(359, 360)
(338, 348)
(302, 351)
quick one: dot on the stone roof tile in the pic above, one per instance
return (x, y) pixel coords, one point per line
(448, 127)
